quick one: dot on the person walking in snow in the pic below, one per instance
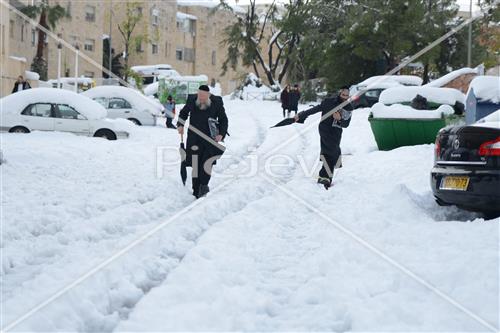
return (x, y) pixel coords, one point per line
(20, 84)
(208, 125)
(284, 97)
(170, 112)
(330, 131)
(294, 99)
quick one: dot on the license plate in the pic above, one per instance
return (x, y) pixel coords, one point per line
(455, 183)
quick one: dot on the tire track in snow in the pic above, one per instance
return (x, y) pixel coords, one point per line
(170, 255)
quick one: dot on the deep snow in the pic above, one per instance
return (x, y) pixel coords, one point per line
(247, 257)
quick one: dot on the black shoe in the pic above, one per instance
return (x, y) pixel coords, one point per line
(203, 191)
(326, 182)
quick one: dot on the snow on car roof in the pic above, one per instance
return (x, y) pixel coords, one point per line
(443, 80)
(15, 103)
(381, 80)
(399, 111)
(135, 98)
(436, 95)
(486, 88)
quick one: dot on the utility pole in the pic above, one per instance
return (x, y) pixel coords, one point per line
(110, 32)
(59, 49)
(469, 48)
(76, 67)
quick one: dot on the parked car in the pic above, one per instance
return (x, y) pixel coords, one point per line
(466, 171)
(127, 103)
(49, 109)
(375, 85)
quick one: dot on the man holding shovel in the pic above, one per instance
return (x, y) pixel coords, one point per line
(334, 119)
(207, 128)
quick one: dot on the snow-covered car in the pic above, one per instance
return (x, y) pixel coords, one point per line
(127, 103)
(466, 170)
(375, 85)
(49, 109)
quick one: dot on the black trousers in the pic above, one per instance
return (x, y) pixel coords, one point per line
(285, 110)
(169, 123)
(202, 163)
(329, 162)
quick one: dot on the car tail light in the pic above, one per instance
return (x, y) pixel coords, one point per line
(437, 148)
(490, 148)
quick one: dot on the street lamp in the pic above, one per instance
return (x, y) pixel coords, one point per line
(76, 67)
(59, 49)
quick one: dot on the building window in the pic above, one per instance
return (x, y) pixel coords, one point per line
(186, 25)
(89, 45)
(154, 48)
(22, 32)
(68, 8)
(155, 16)
(167, 48)
(214, 58)
(138, 47)
(88, 74)
(11, 29)
(178, 54)
(33, 37)
(189, 55)
(90, 13)
(3, 39)
(139, 11)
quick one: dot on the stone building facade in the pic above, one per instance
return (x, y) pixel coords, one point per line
(186, 36)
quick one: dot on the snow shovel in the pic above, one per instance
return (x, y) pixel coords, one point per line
(182, 151)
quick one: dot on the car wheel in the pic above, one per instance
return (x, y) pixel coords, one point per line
(106, 134)
(135, 121)
(19, 129)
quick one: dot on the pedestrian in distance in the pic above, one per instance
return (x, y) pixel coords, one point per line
(284, 98)
(294, 98)
(169, 112)
(20, 84)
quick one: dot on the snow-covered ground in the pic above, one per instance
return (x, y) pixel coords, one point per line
(267, 250)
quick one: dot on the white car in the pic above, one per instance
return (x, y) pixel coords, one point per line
(49, 109)
(127, 103)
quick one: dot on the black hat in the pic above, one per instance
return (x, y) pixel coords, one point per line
(169, 98)
(204, 87)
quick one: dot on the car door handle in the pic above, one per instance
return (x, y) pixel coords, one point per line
(127, 111)
(60, 122)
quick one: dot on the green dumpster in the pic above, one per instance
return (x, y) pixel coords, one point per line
(394, 133)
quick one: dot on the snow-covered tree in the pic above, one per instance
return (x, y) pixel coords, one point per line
(263, 40)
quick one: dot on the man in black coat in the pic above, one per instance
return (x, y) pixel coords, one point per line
(294, 98)
(20, 85)
(330, 131)
(202, 150)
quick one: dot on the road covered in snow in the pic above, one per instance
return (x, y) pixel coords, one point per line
(268, 249)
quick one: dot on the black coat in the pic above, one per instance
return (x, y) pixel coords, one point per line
(330, 132)
(293, 100)
(25, 84)
(284, 99)
(199, 119)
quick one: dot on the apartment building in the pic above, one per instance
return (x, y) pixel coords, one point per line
(186, 35)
